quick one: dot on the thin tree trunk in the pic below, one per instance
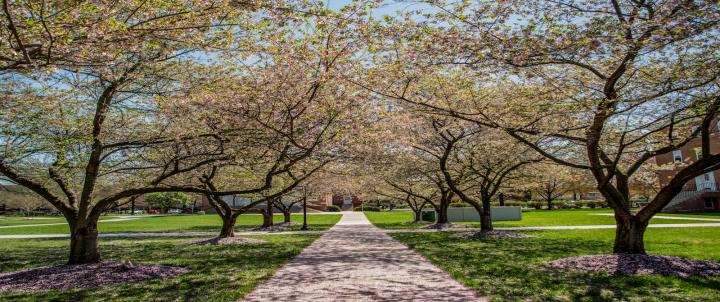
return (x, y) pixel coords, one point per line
(629, 235)
(418, 215)
(84, 243)
(549, 204)
(268, 215)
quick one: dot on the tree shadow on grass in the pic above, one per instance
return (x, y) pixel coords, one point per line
(218, 272)
(515, 269)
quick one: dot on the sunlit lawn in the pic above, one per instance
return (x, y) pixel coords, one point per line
(514, 269)
(400, 219)
(219, 273)
(173, 223)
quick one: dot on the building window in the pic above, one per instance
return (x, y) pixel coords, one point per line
(677, 156)
(709, 203)
(347, 199)
(693, 129)
(698, 153)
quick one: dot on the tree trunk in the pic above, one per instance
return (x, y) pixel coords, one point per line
(549, 204)
(83, 243)
(485, 217)
(442, 216)
(228, 226)
(286, 216)
(629, 235)
(268, 215)
(418, 215)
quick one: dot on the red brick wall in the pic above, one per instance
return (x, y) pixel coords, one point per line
(688, 155)
(698, 204)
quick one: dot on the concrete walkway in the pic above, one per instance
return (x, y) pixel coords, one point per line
(355, 261)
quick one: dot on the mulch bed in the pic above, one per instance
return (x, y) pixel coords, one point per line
(444, 226)
(638, 265)
(65, 277)
(490, 234)
(226, 241)
(278, 227)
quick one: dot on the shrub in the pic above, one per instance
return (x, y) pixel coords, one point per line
(200, 212)
(334, 208)
(458, 204)
(536, 204)
(367, 209)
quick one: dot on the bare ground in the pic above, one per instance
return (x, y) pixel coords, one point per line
(490, 234)
(225, 241)
(65, 277)
(637, 265)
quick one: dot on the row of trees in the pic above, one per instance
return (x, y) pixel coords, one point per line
(447, 102)
(598, 86)
(136, 97)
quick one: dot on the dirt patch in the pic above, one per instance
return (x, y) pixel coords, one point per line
(638, 265)
(288, 224)
(65, 277)
(226, 241)
(445, 226)
(490, 234)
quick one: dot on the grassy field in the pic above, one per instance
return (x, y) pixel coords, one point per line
(219, 273)
(400, 219)
(172, 223)
(514, 269)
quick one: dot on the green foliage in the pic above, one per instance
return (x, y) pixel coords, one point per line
(334, 208)
(200, 212)
(459, 204)
(166, 200)
(367, 209)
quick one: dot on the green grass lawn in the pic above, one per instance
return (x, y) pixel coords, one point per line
(400, 219)
(175, 223)
(514, 269)
(219, 273)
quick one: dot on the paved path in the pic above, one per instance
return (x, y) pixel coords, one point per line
(356, 261)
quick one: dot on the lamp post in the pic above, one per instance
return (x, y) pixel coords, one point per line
(304, 226)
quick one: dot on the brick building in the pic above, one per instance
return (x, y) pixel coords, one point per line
(701, 193)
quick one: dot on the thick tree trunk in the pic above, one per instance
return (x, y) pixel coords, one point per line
(629, 235)
(84, 243)
(549, 204)
(286, 216)
(228, 226)
(442, 216)
(485, 217)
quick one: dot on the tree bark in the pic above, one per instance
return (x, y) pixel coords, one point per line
(549, 204)
(442, 216)
(629, 235)
(286, 216)
(485, 217)
(83, 243)
(418, 215)
(228, 226)
(268, 215)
